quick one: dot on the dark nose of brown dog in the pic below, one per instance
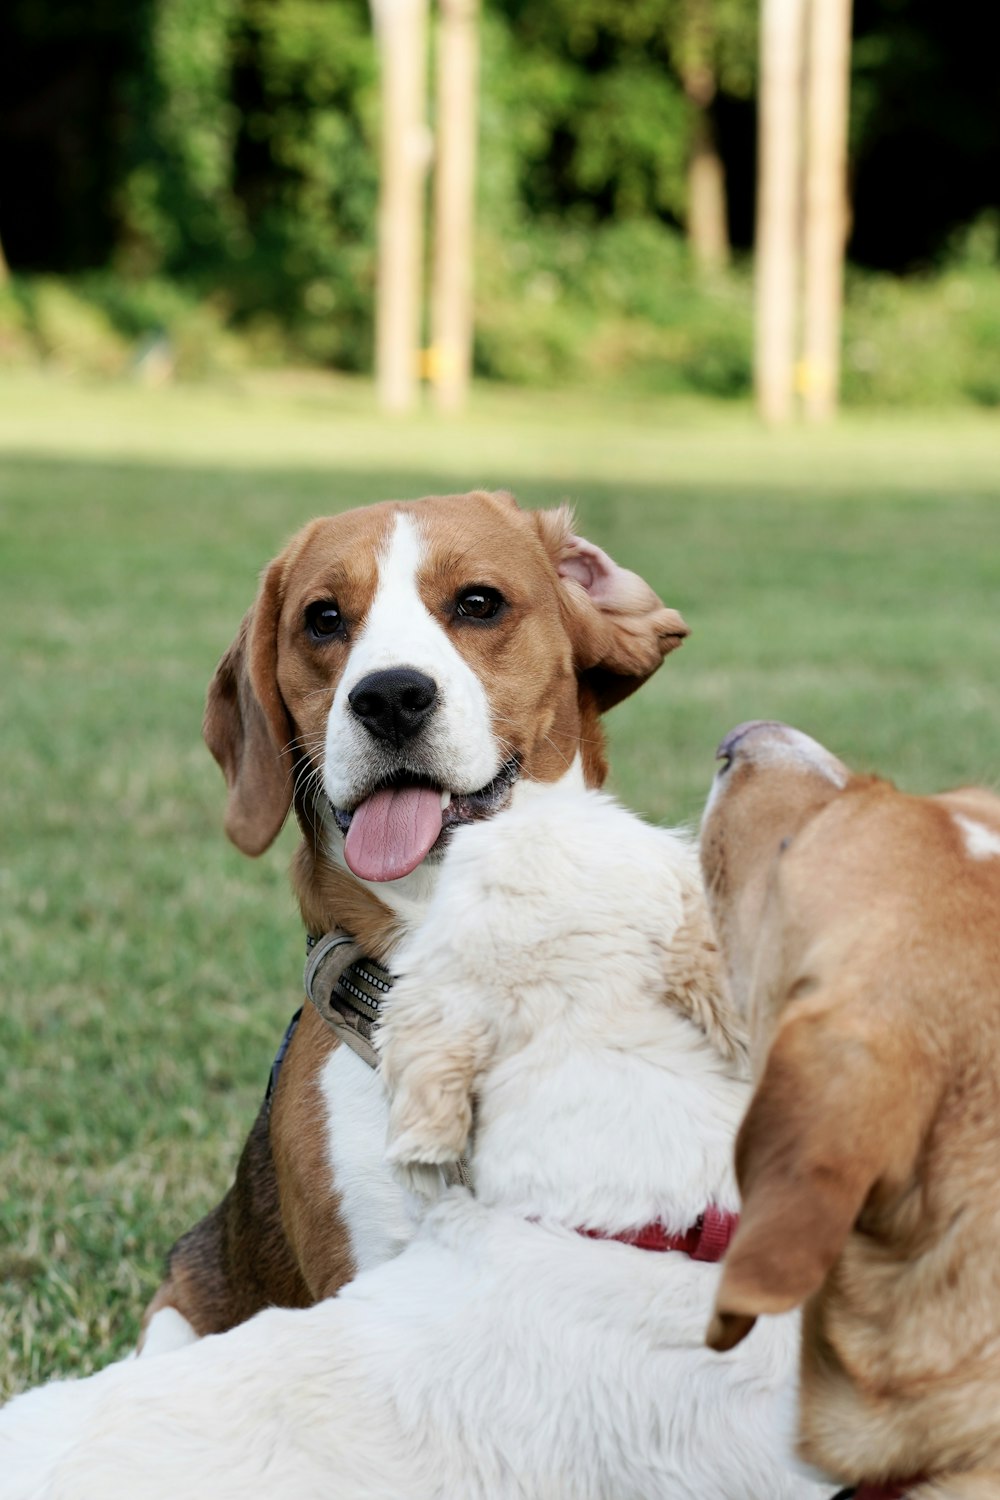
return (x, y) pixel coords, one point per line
(394, 704)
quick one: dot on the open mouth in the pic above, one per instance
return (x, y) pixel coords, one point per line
(396, 826)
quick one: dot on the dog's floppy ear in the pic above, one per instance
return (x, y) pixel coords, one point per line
(831, 1117)
(620, 630)
(247, 728)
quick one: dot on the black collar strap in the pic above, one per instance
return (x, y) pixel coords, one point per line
(348, 989)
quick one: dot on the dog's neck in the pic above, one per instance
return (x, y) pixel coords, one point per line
(330, 895)
(638, 1130)
(380, 915)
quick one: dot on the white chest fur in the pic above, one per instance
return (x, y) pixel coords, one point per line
(380, 1215)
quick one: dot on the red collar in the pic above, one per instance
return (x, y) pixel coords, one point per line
(707, 1239)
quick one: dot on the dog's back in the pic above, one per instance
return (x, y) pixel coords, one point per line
(913, 1310)
(863, 927)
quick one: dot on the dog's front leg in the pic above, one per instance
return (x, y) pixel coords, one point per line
(432, 1053)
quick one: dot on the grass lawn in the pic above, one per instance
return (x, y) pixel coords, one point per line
(847, 581)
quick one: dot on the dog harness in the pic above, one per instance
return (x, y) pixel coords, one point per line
(286, 1042)
(348, 989)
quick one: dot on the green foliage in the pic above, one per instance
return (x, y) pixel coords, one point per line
(608, 88)
(932, 338)
(308, 172)
(102, 324)
(254, 148)
(18, 346)
(254, 165)
(617, 303)
(177, 200)
(66, 330)
(240, 148)
(632, 143)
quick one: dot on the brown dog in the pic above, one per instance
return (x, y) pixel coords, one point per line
(861, 931)
(404, 669)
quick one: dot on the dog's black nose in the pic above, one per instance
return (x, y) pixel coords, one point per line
(392, 705)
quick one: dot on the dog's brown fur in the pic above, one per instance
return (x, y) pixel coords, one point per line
(557, 661)
(862, 932)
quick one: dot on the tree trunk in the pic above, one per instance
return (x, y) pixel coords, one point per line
(454, 201)
(778, 207)
(707, 220)
(401, 28)
(826, 203)
(707, 223)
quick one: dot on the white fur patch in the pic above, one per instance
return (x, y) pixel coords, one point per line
(168, 1330)
(544, 941)
(459, 749)
(379, 1214)
(980, 842)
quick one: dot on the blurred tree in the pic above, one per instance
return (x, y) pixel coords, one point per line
(712, 43)
(253, 162)
(401, 29)
(231, 144)
(177, 199)
(456, 130)
(636, 135)
(776, 261)
(828, 70)
(306, 171)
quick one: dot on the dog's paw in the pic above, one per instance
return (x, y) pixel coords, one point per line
(421, 1179)
(417, 1145)
(428, 1126)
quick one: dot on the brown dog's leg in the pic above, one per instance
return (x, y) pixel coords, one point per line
(236, 1260)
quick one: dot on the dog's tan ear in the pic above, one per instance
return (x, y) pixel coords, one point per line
(247, 728)
(620, 630)
(831, 1117)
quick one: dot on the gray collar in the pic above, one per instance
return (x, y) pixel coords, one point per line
(348, 989)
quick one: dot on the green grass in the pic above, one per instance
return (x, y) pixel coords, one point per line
(848, 581)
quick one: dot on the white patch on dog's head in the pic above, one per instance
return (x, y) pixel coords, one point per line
(980, 842)
(458, 747)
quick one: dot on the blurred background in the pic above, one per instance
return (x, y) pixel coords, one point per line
(629, 221)
(190, 186)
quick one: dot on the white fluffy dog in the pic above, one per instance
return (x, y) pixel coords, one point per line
(559, 1013)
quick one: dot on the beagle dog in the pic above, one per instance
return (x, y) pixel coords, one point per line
(406, 669)
(558, 1018)
(860, 928)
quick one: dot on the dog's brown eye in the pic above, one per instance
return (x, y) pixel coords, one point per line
(323, 619)
(479, 603)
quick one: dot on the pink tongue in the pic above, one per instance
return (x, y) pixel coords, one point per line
(391, 831)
